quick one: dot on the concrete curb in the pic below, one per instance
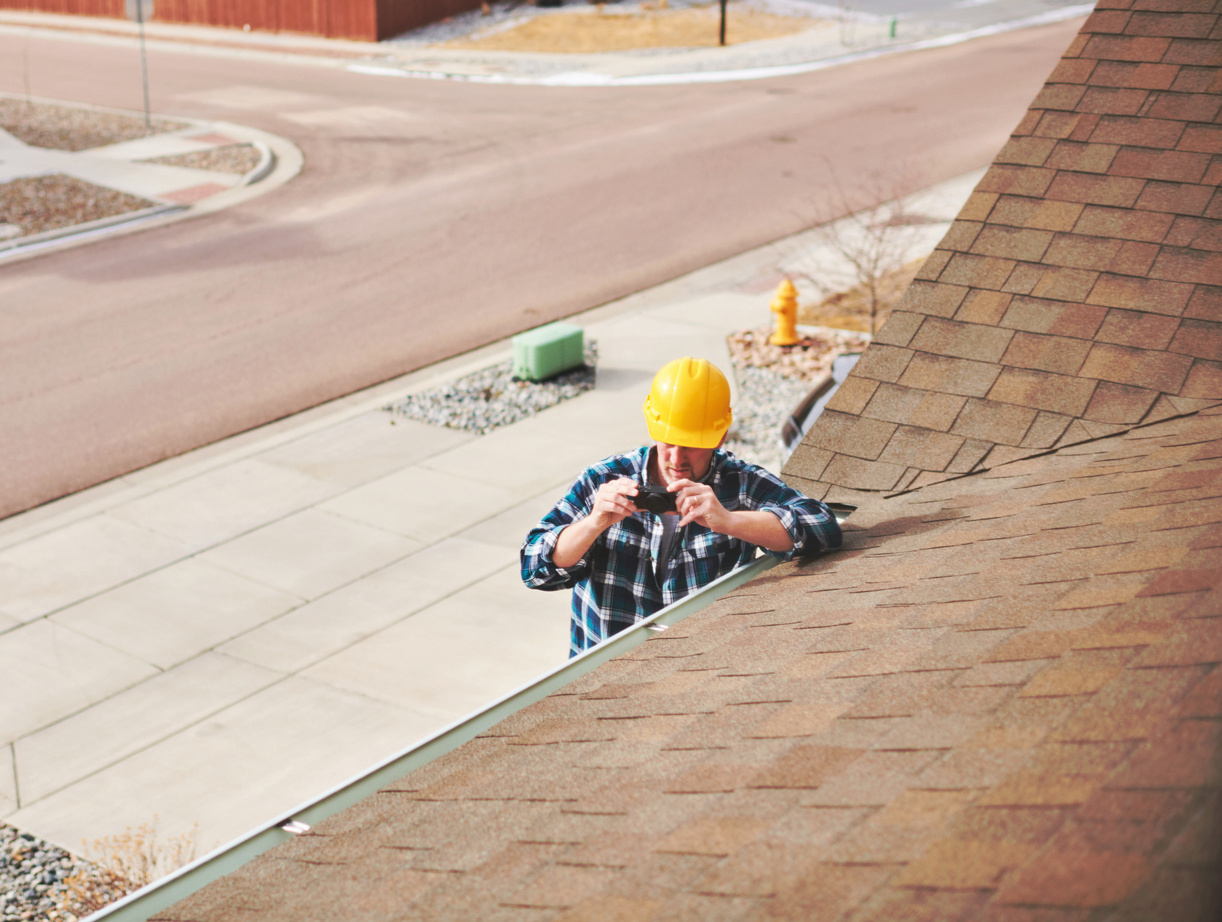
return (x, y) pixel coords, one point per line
(89, 228)
(280, 160)
(267, 163)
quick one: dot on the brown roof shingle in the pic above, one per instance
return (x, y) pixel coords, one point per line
(1002, 697)
(1002, 700)
(1105, 197)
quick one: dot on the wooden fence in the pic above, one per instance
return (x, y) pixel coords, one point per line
(367, 20)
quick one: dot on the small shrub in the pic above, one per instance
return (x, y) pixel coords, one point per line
(123, 864)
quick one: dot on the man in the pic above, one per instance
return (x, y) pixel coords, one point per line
(624, 563)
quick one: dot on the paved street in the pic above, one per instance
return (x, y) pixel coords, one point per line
(496, 207)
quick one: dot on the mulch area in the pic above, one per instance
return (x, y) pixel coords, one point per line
(232, 158)
(36, 204)
(59, 127)
(42, 203)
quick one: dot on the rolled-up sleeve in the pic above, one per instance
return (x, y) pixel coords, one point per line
(811, 525)
(539, 570)
(538, 554)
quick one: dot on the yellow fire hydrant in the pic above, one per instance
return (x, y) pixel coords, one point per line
(785, 306)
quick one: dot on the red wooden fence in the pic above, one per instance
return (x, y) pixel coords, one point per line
(369, 20)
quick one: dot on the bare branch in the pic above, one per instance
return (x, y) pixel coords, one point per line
(869, 246)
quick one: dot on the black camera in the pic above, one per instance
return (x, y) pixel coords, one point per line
(654, 499)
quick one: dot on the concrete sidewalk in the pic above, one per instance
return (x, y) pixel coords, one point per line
(212, 640)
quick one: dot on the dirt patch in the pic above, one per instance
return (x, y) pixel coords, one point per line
(42, 124)
(601, 29)
(232, 158)
(42, 203)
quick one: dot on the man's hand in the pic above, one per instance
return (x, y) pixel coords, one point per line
(698, 503)
(612, 504)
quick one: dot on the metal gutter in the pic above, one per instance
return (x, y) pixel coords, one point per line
(148, 901)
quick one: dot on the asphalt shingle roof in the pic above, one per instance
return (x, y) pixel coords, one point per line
(1002, 700)
(1077, 294)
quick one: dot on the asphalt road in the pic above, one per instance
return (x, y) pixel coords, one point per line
(431, 217)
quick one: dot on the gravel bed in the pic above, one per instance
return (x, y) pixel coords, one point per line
(34, 204)
(232, 158)
(461, 25)
(60, 127)
(41, 203)
(492, 397)
(42, 883)
(765, 400)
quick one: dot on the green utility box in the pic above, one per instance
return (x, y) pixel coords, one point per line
(546, 351)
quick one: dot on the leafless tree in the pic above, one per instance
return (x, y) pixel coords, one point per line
(868, 247)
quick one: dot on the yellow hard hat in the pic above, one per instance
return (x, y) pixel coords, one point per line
(689, 404)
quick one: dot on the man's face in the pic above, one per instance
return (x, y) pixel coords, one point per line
(676, 462)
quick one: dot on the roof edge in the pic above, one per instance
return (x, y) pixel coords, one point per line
(146, 902)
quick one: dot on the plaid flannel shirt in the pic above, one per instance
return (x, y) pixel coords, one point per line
(614, 585)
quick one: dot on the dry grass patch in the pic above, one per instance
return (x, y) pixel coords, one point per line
(122, 864)
(596, 30)
(850, 310)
